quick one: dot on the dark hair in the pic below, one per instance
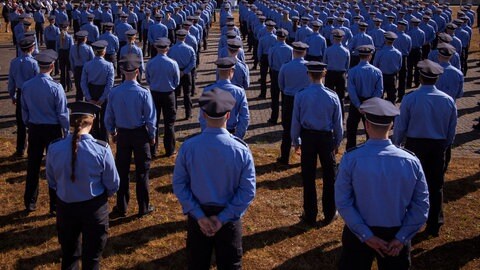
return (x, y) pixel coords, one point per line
(77, 122)
(427, 81)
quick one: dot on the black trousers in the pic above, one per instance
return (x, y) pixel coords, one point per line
(76, 26)
(431, 154)
(39, 137)
(412, 60)
(146, 45)
(88, 218)
(464, 60)
(358, 255)
(389, 85)
(425, 51)
(243, 29)
(354, 117)
(193, 75)
(136, 141)
(77, 76)
(39, 32)
(52, 45)
(335, 80)
(185, 85)
(318, 144)
(98, 23)
(256, 57)
(64, 65)
(354, 60)
(112, 58)
(120, 45)
(227, 243)
(153, 51)
(205, 37)
(171, 35)
(99, 131)
(250, 40)
(287, 113)
(264, 67)
(275, 93)
(402, 77)
(21, 129)
(165, 104)
(313, 58)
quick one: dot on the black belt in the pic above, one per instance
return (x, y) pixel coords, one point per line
(211, 210)
(141, 128)
(317, 132)
(44, 125)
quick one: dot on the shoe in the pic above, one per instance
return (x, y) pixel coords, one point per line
(306, 223)
(174, 153)
(477, 126)
(432, 231)
(261, 96)
(31, 208)
(272, 121)
(188, 117)
(116, 213)
(149, 210)
(282, 161)
(328, 220)
(254, 67)
(19, 154)
(399, 99)
(52, 213)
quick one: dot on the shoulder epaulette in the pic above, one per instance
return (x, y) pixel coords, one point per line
(354, 148)
(331, 90)
(406, 150)
(406, 94)
(102, 143)
(239, 140)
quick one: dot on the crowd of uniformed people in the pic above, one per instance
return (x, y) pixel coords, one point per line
(318, 55)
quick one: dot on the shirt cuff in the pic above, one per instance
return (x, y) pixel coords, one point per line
(197, 213)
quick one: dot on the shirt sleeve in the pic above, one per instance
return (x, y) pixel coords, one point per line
(345, 201)
(110, 177)
(62, 111)
(352, 90)
(11, 82)
(109, 85)
(401, 123)
(243, 117)
(296, 125)
(84, 84)
(244, 194)
(150, 115)
(181, 187)
(49, 171)
(109, 116)
(417, 210)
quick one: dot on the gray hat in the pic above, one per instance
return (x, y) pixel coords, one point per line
(46, 57)
(162, 43)
(314, 66)
(446, 49)
(130, 62)
(429, 69)
(379, 111)
(216, 103)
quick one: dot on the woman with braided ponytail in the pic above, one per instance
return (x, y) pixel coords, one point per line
(82, 172)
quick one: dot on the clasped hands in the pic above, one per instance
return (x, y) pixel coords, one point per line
(210, 225)
(383, 248)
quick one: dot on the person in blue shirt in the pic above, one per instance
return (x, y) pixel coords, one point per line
(39, 18)
(317, 129)
(171, 25)
(163, 77)
(81, 171)
(292, 78)
(418, 40)
(381, 194)
(64, 43)
(389, 61)
(132, 48)
(264, 45)
(304, 30)
(192, 41)
(147, 22)
(337, 59)
(51, 34)
(76, 18)
(404, 44)
(450, 82)
(241, 75)
(316, 42)
(185, 56)
(214, 190)
(279, 54)
(364, 81)
(427, 122)
(22, 69)
(239, 119)
(92, 29)
(44, 112)
(80, 53)
(430, 35)
(113, 44)
(97, 82)
(377, 34)
(130, 118)
(360, 39)
(156, 31)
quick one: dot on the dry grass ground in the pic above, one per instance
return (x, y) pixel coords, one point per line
(271, 237)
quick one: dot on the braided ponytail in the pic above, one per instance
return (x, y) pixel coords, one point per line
(78, 123)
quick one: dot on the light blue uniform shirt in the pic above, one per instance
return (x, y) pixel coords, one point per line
(279, 54)
(44, 102)
(22, 69)
(239, 115)
(163, 74)
(303, 33)
(131, 48)
(451, 81)
(317, 45)
(417, 36)
(130, 106)
(378, 37)
(388, 60)
(66, 44)
(80, 54)
(337, 58)
(429, 32)
(92, 30)
(113, 43)
(225, 177)
(51, 32)
(184, 55)
(95, 171)
(157, 31)
(120, 30)
(403, 43)
(241, 76)
(265, 43)
(97, 72)
(293, 77)
(381, 185)
(223, 52)
(317, 108)
(364, 81)
(426, 113)
(359, 39)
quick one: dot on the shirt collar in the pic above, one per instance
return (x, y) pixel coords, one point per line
(223, 81)
(216, 130)
(379, 142)
(44, 75)
(427, 88)
(134, 82)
